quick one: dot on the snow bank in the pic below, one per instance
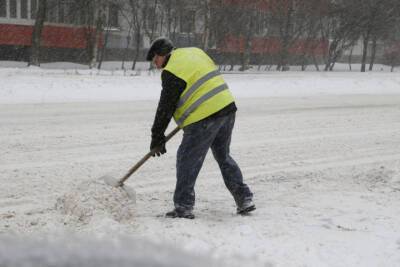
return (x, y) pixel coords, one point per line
(37, 85)
(90, 252)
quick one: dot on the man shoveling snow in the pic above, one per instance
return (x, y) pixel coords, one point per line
(196, 95)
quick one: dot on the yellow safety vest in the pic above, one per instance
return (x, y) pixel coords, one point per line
(206, 91)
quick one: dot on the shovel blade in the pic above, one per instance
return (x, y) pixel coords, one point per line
(109, 180)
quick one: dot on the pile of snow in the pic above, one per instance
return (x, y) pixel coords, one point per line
(96, 198)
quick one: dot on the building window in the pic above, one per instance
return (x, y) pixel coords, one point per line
(52, 13)
(71, 12)
(187, 21)
(33, 9)
(82, 17)
(24, 9)
(61, 17)
(3, 8)
(113, 15)
(13, 8)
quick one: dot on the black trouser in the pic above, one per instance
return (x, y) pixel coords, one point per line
(214, 133)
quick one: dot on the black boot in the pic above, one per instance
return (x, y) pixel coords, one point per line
(180, 213)
(246, 207)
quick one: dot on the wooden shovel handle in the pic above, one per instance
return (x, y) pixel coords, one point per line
(145, 158)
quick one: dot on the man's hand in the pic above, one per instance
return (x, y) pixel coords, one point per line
(158, 142)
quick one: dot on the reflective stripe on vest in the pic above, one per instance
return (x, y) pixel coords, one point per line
(201, 100)
(196, 85)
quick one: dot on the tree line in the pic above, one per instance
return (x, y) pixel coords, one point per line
(295, 30)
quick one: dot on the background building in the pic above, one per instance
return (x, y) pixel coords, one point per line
(256, 32)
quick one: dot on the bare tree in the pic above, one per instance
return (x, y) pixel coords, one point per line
(351, 57)
(94, 17)
(392, 55)
(247, 30)
(170, 9)
(150, 18)
(392, 45)
(219, 29)
(102, 52)
(342, 28)
(138, 25)
(130, 15)
(99, 23)
(236, 30)
(207, 21)
(373, 11)
(216, 28)
(312, 44)
(109, 24)
(37, 33)
(204, 9)
(289, 17)
(387, 16)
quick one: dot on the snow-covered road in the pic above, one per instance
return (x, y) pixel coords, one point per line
(325, 171)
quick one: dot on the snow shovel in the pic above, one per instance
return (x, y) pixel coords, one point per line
(120, 183)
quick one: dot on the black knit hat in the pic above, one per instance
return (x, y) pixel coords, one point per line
(161, 46)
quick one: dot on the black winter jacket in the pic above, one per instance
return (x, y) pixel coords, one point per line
(172, 88)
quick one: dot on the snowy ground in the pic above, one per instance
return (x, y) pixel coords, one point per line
(324, 164)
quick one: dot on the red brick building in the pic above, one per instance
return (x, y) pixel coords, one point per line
(265, 39)
(64, 36)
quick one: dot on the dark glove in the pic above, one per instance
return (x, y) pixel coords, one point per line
(158, 142)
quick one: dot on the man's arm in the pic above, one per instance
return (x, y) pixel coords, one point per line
(172, 88)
